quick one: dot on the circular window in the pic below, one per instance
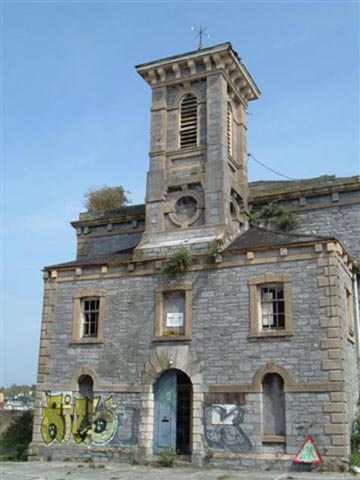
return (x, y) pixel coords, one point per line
(185, 208)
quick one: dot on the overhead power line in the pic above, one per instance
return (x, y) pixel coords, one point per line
(250, 155)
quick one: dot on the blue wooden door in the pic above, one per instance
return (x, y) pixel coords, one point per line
(165, 412)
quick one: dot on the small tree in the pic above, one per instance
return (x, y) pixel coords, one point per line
(15, 441)
(105, 198)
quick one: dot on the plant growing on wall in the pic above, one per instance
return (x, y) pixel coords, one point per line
(105, 198)
(215, 250)
(179, 262)
(274, 215)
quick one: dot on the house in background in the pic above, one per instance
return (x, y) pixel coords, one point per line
(249, 349)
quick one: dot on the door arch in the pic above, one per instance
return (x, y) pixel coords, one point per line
(173, 412)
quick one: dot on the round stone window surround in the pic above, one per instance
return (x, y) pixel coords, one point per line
(174, 206)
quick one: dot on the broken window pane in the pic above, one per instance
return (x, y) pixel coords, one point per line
(272, 306)
(90, 314)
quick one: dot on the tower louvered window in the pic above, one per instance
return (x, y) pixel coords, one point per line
(188, 122)
(229, 128)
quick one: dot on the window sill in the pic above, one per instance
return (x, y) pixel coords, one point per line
(273, 439)
(87, 341)
(288, 334)
(172, 338)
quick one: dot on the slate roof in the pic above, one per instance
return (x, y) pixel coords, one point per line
(257, 237)
(115, 257)
(254, 238)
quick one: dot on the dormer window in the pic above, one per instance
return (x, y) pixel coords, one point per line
(188, 121)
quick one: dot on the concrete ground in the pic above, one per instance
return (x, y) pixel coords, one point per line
(81, 471)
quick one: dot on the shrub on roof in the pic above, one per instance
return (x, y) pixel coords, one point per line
(105, 198)
(275, 216)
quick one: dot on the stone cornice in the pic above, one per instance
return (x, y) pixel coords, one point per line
(237, 258)
(295, 189)
(200, 64)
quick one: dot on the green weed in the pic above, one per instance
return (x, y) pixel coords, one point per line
(167, 458)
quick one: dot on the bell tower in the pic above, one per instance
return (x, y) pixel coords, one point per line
(197, 190)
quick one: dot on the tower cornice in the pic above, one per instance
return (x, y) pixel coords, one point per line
(197, 64)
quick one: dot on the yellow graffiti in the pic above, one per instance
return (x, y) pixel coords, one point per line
(104, 423)
(52, 425)
(85, 420)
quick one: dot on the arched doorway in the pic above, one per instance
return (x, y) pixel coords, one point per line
(173, 412)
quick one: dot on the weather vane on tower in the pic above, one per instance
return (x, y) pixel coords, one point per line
(200, 33)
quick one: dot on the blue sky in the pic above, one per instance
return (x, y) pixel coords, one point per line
(76, 115)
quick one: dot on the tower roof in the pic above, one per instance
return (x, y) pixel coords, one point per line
(194, 64)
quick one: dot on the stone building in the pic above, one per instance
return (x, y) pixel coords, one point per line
(240, 356)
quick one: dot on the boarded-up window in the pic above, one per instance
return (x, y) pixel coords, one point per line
(273, 405)
(174, 312)
(188, 121)
(229, 129)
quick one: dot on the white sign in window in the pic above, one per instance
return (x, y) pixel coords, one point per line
(174, 319)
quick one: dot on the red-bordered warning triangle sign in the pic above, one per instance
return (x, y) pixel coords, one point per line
(308, 453)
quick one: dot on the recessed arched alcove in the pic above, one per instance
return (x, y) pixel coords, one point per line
(273, 405)
(86, 386)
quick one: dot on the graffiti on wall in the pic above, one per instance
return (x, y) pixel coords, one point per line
(84, 420)
(223, 429)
